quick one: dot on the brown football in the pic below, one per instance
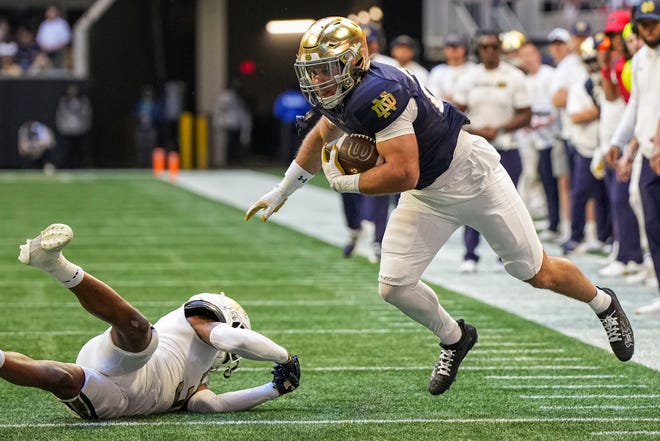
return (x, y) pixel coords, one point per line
(356, 153)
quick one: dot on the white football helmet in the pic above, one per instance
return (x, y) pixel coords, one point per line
(335, 49)
(226, 310)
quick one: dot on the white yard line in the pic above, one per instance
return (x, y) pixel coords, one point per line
(552, 377)
(442, 421)
(317, 212)
(599, 406)
(423, 368)
(588, 397)
(574, 386)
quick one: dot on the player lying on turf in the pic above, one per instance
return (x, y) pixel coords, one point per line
(447, 178)
(135, 368)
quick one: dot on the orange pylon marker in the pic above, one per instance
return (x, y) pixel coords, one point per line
(158, 161)
(173, 164)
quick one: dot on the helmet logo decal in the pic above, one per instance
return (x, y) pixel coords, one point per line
(647, 7)
(385, 105)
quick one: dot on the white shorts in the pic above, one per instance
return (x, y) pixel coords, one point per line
(101, 354)
(110, 375)
(101, 397)
(475, 191)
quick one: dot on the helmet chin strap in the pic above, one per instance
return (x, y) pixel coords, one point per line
(232, 365)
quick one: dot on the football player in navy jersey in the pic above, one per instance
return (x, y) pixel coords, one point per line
(447, 177)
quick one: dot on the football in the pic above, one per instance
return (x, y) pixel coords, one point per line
(356, 153)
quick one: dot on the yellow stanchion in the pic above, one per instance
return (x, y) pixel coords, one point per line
(186, 140)
(202, 142)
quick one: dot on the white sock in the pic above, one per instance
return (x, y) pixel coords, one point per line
(420, 303)
(67, 273)
(601, 302)
(2, 358)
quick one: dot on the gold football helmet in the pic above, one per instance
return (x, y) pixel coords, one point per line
(512, 40)
(332, 58)
(588, 51)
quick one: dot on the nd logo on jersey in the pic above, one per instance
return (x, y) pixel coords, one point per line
(384, 105)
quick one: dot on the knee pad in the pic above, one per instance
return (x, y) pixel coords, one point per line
(521, 270)
(389, 293)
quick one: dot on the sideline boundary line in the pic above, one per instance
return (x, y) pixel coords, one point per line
(110, 423)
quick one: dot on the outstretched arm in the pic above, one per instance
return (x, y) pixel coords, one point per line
(301, 170)
(286, 378)
(244, 342)
(205, 401)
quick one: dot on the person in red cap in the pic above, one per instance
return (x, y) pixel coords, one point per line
(627, 258)
(612, 54)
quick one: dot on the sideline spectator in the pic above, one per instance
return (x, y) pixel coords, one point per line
(583, 109)
(543, 130)
(569, 69)
(27, 48)
(511, 42)
(497, 102)
(8, 60)
(404, 49)
(54, 35)
(627, 253)
(232, 120)
(35, 142)
(5, 29)
(629, 166)
(41, 65)
(374, 39)
(73, 119)
(148, 114)
(443, 77)
(287, 107)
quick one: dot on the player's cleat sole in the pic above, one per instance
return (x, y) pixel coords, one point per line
(451, 356)
(618, 329)
(44, 250)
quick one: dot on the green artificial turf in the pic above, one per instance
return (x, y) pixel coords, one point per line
(365, 366)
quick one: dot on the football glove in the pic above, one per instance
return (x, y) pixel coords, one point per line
(334, 173)
(286, 376)
(270, 203)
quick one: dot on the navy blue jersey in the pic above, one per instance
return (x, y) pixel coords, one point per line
(381, 96)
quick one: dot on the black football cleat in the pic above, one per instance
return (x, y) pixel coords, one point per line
(451, 356)
(617, 326)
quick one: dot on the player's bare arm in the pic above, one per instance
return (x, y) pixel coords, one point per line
(399, 172)
(654, 159)
(559, 98)
(521, 118)
(309, 154)
(622, 164)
